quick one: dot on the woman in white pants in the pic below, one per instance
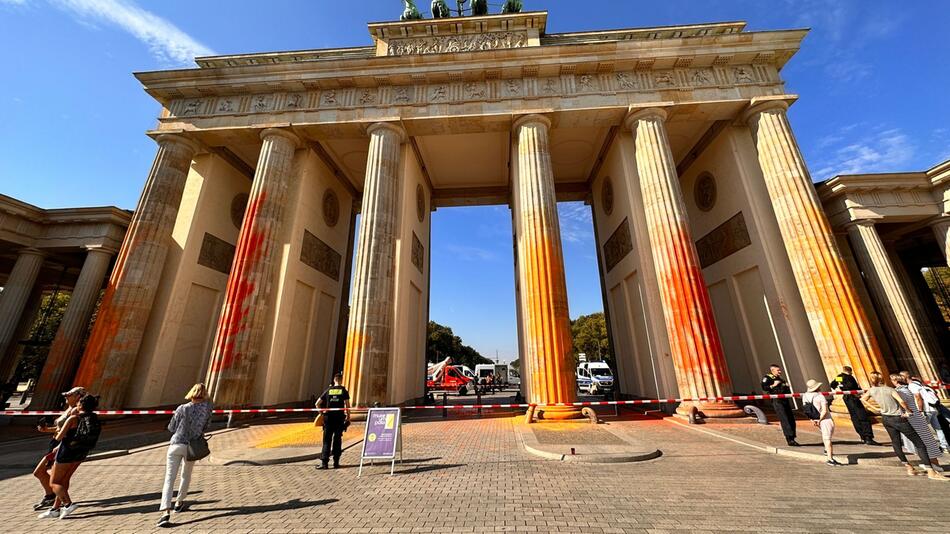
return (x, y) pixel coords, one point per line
(190, 421)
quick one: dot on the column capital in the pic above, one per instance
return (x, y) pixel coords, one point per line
(762, 104)
(281, 132)
(634, 114)
(172, 138)
(30, 251)
(102, 249)
(531, 118)
(939, 220)
(860, 222)
(392, 127)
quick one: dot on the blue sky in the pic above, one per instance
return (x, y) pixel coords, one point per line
(872, 75)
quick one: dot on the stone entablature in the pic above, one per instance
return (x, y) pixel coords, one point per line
(667, 81)
(890, 196)
(30, 226)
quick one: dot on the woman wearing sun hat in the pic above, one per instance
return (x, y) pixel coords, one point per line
(825, 423)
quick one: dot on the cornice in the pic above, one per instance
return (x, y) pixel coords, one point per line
(280, 71)
(855, 183)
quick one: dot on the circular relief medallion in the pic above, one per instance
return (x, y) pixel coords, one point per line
(607, 196)
(704, 192)
(331, 208)
(420, 203)
(238, 206)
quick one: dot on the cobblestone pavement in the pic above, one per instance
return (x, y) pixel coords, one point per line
(471, 475)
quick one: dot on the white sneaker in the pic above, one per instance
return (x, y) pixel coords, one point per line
(52, 513)
(68, 510)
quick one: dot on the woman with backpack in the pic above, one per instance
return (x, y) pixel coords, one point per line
(816, 408)
(42, 471)
(76, 439)
(187, 426)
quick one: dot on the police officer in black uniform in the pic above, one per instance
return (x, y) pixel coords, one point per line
(859, 415)
(773, 383)
(335, 421)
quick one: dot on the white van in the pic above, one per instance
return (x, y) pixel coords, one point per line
(594, 378)
(514, 378)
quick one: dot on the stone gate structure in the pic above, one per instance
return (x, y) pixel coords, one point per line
(715, 255)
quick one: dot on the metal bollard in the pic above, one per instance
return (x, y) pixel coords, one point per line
(230, 420)
(445, 411)
(478, 401)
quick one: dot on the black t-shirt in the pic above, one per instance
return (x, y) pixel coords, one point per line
(845, 382)
(767, 381)
(335, 397)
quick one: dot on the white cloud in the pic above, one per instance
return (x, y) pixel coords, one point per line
(165, 41)
(882, 149)
(576, 223)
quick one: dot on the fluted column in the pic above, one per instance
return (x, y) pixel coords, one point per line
(698, 358)
(543, 289)
(11, 359)
(247, 301)
(912, 352)
(839, 324)
(941, 228)
(369, 333)
(113, 345)
(16, 293)
(64, 352)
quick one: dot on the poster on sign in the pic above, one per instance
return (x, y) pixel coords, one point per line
(382, 437)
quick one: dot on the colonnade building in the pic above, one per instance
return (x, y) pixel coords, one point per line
(715, 252)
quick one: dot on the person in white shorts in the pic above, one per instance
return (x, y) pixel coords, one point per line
(824, 422)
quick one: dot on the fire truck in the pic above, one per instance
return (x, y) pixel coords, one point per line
(444, 376)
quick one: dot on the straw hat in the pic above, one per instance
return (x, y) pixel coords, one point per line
(812, 385)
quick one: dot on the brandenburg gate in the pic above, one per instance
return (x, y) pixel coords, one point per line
(715, 255)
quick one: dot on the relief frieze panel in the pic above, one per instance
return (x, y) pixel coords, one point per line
(316, 253)
(216, 254)
(617, 246)
(457, 43)
(724, 240)
(457, 92)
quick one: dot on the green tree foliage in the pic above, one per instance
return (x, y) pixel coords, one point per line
(442, 343)
(590, 336)
(938, 280)
(40, 337)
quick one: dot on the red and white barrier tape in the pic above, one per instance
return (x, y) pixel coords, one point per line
(464, 406)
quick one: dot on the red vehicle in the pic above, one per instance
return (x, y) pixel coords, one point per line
(448, 378)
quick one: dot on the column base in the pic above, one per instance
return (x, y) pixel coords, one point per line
(558, 413)
(712, 410)
(838, 406)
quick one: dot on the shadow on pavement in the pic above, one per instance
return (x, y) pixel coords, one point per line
(129, 499)
(293, 504)
(151, 507)
(424, 468)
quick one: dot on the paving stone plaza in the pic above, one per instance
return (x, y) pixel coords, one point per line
(472, 475)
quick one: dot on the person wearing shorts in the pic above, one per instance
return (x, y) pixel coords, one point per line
(43, 468)
(824, 422)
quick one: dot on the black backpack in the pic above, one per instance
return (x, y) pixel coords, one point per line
(810, 411)
(87, 432)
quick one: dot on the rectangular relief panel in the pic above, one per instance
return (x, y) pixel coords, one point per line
(728, 323)
(418, 252)
(725, 240)
(296, 351)
(617, 246)
(321, 357)
(216, 254)
(192, 346)
(320, 256)
(755, 318)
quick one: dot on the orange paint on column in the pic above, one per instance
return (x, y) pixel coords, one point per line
(698, 358)
(237, 346)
